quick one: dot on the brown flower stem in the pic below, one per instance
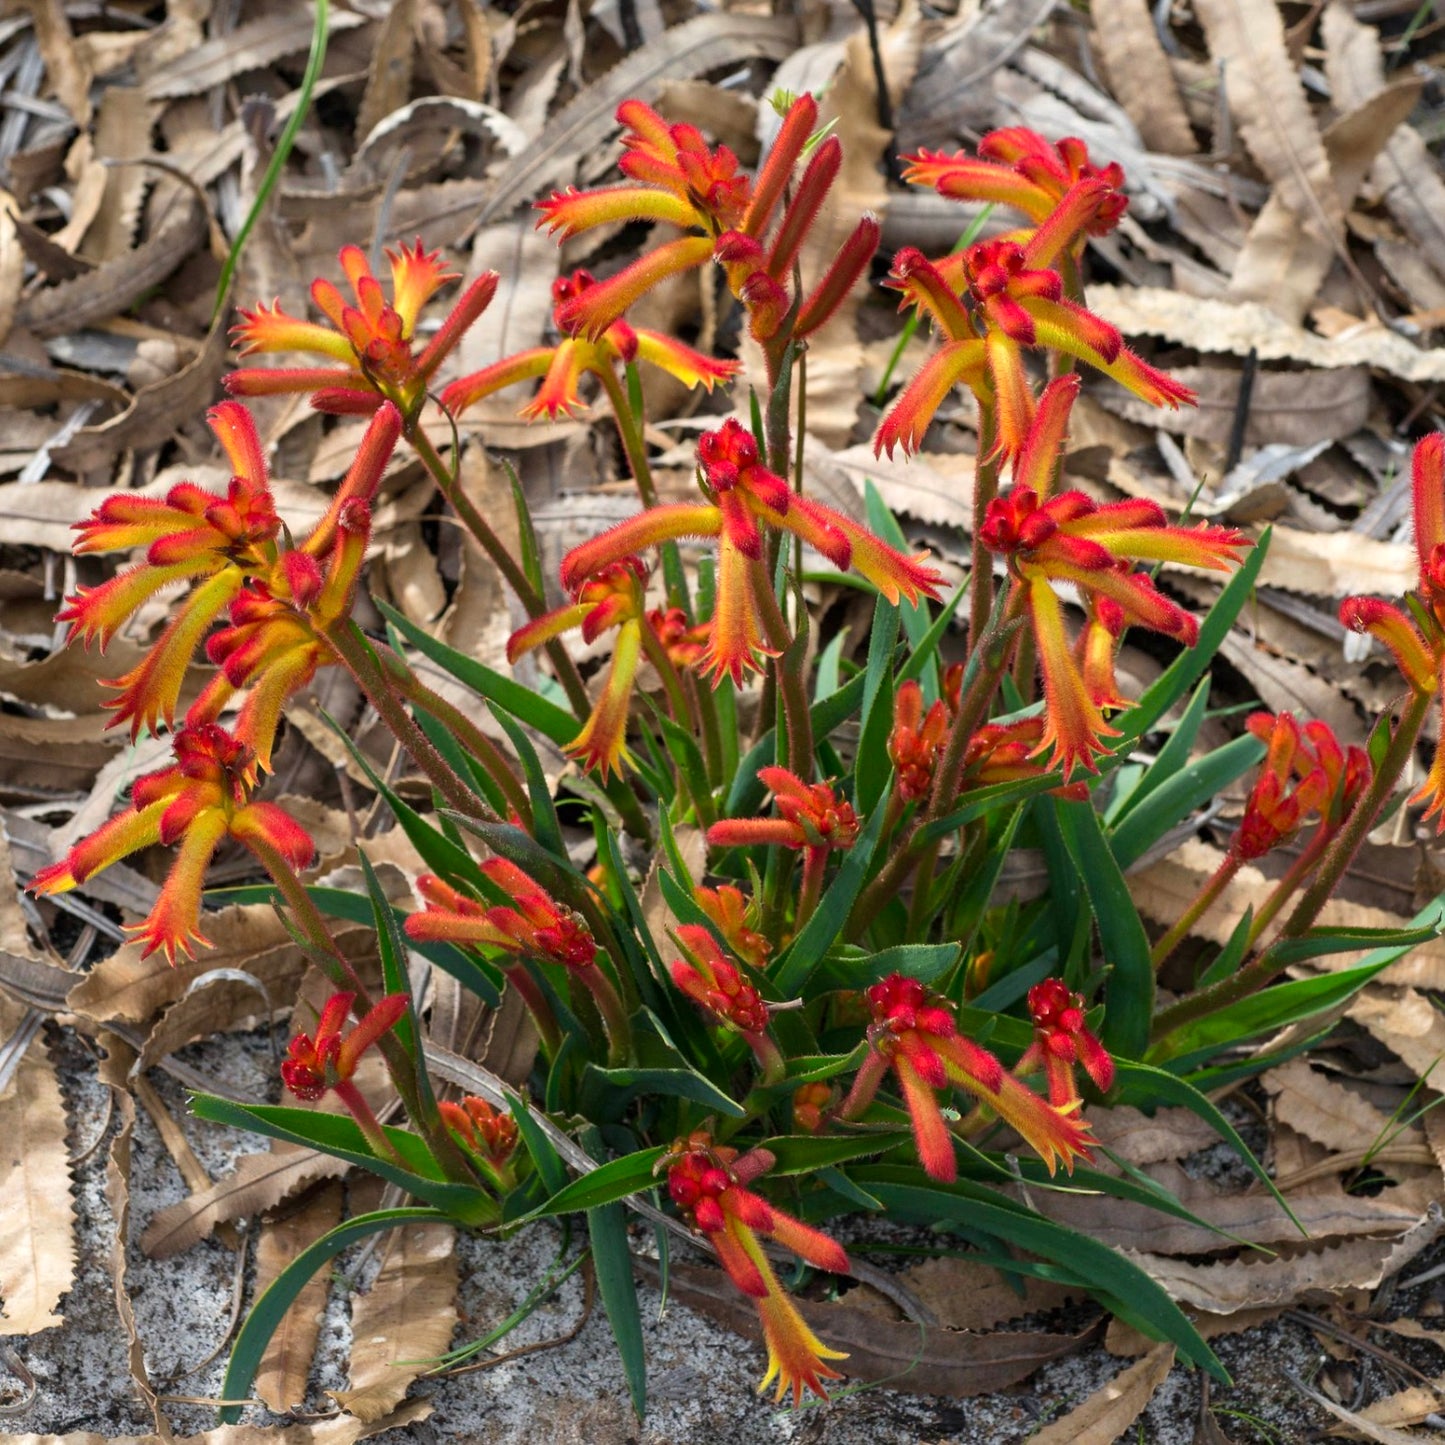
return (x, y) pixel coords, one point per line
(1263, 968)
(629, 431)
(476, 742)
(356, 654)
(614, 1015)
(815, 863)
(368, 1123)
(532, 600)
(634, 448)
(796, 716)
(475, 523)
(884, 884)
(918, 917)
(985, 489)
(1204, 900)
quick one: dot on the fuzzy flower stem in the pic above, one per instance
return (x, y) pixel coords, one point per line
(418, 1101)
(1263, 967)
(629, 430)
(367, 1122)
(506, 564)
(634, 448)
(798, 719)
(476, 742)
(614, 1015)
(985, 489)
(682, 703)
(815, 862)
(993, 662)
(359, 661)
(1204, 900)
(1298, 871)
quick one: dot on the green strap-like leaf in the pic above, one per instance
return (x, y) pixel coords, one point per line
(278, 1297)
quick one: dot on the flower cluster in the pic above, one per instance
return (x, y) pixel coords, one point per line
(914, 1034)
(371, 345)
(675, 178)
(745, 502)
(708, 1182)
(198, 802)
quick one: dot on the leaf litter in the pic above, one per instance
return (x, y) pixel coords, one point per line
(1288, 222)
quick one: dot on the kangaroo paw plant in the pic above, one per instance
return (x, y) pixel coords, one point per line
(821, 1011)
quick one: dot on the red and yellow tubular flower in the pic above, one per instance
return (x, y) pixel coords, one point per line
(813, 817)
(729, 912)
(610, 598)
(228, 545)
(371, 344)
(675, 178)
(814, 820)
(915, 740)
(329, 1060)
(1061, 1042)
(203, 798)
(1017, 167)
(717, 986)
(706, 1181)
(1093, 547)
(1417, 642)
(1009, 753)
(563, 366)
(744, 498)
(1013, 303)
(914, 1034)
(537, 926)
(1306, 773)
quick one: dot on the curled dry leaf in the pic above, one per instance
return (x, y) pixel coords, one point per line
(1237, 1284)
(1114, 1407)
(1239, 327)
(899, 1353)
(259, 1182)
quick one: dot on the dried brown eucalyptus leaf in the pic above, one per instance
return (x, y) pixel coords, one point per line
(1239, 1284)
(37, 1223)
(408, 1314)
(907, 1356)
(1239, 327)
(259, 1182)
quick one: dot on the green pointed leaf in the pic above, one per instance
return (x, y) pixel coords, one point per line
(270, 1308)
(1129, 988)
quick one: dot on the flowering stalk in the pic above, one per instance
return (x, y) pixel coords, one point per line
(1262, 969)
(328, 1062)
